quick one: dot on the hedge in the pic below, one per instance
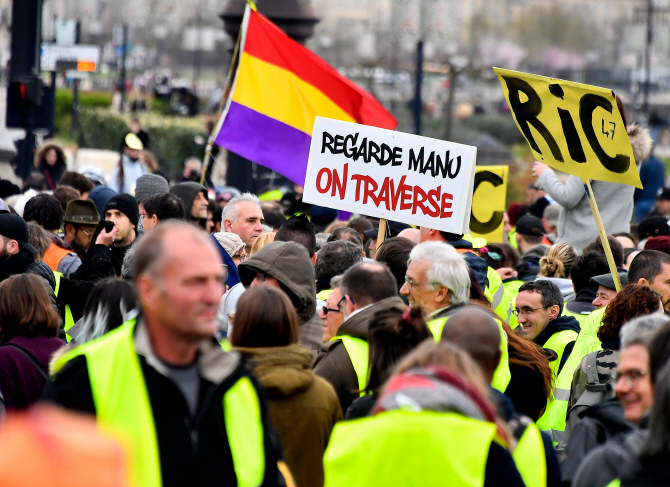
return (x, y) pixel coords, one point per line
(172, 139)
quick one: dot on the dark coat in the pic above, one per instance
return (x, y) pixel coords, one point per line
(52, 174)
(24, 263)
(20, 381)
(526, 391)
(302, 407)
(599, 424)
(333, 362)
(193, 450)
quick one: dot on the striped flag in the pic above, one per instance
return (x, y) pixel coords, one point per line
(279, 87)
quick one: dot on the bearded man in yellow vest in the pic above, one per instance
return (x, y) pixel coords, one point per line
(366, 288)
(190, 413)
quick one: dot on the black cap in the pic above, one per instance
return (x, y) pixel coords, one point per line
(393, 229)
(606, 280)
(653, 227)
(530, 226)
(126, 204)
(664, 195)
(15, 228)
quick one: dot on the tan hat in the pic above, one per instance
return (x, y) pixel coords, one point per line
(82, 211)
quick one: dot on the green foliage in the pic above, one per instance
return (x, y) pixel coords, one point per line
(172, 139)
(63, 107)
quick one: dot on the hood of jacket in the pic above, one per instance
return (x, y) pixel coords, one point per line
(357, 325)
(564, 285)
(282, 371)
(187, 192)
(561, 323)
(641, 141)
(290, 264)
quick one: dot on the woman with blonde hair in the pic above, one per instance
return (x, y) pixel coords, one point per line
(555, 266)
(436, 426)
(264, 239)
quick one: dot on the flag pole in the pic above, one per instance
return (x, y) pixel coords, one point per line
(603, 235)
(224, 99)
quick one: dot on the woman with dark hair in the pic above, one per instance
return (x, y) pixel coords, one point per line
(50, 161)
(28, 328)
(531, 379)
(111, 303)
(302, 407)
(392, 334)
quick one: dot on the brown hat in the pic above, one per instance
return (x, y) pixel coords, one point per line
(82, 211)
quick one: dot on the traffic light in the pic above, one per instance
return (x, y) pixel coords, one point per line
(22, 96)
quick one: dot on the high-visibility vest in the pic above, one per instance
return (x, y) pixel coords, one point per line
(512, 290)
(122, 404)
(358, 351)
(502, 375)
(614, 483)
(500, 301)
(580, 317)
(54, 255)
(323, 295)
(552, 420)
(511, 236)
(424, 448)
(69, 320)
(529, 457)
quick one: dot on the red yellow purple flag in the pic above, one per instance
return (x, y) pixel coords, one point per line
(279, 87)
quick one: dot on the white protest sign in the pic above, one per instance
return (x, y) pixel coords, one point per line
(393, 175)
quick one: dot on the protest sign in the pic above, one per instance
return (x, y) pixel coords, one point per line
(392, 175)
(572, 127)
(489, 195)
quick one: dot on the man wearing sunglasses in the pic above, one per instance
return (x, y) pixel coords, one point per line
(81, 220)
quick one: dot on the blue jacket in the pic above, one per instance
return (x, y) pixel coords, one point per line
(652, 175)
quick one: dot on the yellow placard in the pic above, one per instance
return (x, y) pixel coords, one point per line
(488, 202)
(572, 127)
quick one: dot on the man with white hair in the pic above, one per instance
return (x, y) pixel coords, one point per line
(437, 279)
(244, 217)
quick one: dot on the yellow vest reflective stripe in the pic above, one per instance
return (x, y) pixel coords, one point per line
(357, 349)
(425, 448)
(502, 375)
(495, 292)
(614, 483)
(553, 419)
(69, 320)
(530, 458)
(512, 290)
(323, 295)
(122, 405)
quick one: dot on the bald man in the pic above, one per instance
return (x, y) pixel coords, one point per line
(161, 380)
(476, 331)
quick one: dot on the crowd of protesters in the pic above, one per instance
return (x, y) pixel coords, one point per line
(227, 339)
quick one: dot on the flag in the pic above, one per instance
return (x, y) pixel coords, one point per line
(279, 87)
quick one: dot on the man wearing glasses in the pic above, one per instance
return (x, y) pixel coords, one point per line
(81, 220)
(539, 305)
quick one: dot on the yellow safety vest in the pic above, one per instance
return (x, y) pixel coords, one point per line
(553, 419)
(529, 457)
(502, 375)
(323, 295)
(511, 236)
(417, 448)
(580, 317)
(122, 405)
(500, 301)
(358, 351)
(69, 320)
(512, 290)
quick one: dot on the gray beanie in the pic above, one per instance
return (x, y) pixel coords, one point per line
(149, 185)
(231, 242)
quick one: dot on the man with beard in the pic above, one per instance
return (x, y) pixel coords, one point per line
(122, 209)
(194, 197)
(80, 222)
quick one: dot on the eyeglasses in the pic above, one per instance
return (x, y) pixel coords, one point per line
(630, 377)
(340, 305)
(327, 310)
(85, 232)
(242, 257)
(527, 311)
(412, 283)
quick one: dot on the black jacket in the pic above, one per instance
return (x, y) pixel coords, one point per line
(556, 325)
(75, 290)
(192, 450)
(526, 391)
(599, 424)
(24, 263)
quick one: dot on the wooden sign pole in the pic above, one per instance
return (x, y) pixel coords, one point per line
(381, 233)
(603, 235)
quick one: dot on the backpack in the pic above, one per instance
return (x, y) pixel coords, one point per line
(594, 393)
